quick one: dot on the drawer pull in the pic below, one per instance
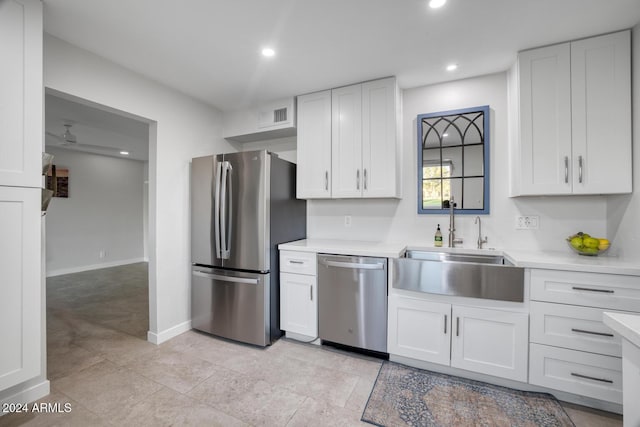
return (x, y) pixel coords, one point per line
(582, 331)
(293, 261)
(605, 291)
(603, 380)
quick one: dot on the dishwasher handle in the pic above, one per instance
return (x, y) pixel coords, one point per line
(353, 265)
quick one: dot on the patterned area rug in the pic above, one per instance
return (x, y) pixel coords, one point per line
(405, 396)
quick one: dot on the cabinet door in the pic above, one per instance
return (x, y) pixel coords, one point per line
(21, 93)
(346, 142)
(419, 329)
(545, 120)
(21, 303)
(298, 304)
(491, 342)
(601, 114)
(314, 146)
(379, 133)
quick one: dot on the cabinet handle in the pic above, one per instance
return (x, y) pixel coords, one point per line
(566, 169)
(457, 326)
(293, 261)
(603, 380)
(358, 179)
(326, 180)
(580, 169)
(365, 179)
(445, 324)
(604, 291)
(582, 331)
(311, 293)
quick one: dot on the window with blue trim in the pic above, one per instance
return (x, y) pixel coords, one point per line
(453, 160)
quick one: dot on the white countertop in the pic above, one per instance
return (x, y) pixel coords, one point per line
(627, 325)
(553, 260)
(346, 247)
(562, 260)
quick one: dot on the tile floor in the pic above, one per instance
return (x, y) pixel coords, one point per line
(101, 365)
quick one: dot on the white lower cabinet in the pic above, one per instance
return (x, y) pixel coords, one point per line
(419, 329)
(298, 295)
(577, 372)
(571, 349)
(298, 308)
(488, 341)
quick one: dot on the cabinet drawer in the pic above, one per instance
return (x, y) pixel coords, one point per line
(577, 372)
(574, 327)
(298, 262)
(611, 291)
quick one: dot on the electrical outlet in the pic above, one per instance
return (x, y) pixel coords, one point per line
(527, 222)
(103, 253)
(347, 221)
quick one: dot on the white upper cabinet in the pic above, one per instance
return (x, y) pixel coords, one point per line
(346, 142)
(21, 93)
(314, 146)
(379, 135)
(574, 112)
(363, 142)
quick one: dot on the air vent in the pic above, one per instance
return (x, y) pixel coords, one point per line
(280, 115)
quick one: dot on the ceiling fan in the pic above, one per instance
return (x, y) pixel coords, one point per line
(69, 140)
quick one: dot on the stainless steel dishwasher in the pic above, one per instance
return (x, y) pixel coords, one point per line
(352, 301)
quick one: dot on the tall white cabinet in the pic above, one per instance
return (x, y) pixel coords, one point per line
(21, 104)
(574, 118)
(348, 142)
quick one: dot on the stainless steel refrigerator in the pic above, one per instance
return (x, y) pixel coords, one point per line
(242, 206)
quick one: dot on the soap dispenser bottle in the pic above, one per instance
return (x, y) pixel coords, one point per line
(438, 238)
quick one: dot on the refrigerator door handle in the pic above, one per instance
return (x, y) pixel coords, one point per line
(225, 278)
(224, 253)
(227, 244)
(216, 211)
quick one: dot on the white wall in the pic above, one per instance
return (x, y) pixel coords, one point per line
(397, 220)
(285, 148)
(104, 212)
(623, 211)
(181, 128)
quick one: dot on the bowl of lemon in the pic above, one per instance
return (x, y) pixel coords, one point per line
(585, 244)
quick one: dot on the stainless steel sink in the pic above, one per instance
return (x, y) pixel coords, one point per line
(467, 275)
(448, 256)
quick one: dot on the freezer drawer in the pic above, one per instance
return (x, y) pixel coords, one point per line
(231, 304)
(352, 301)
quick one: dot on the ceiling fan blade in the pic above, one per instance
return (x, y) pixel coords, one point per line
(96, 147)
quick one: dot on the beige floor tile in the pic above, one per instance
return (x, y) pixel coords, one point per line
(360, 395)
(588, 417)
(178, 371)
(252, 400)
(209, 348)
(114, 346)
(321, 414)
(106, 387)
(65, 360)
(169, 408)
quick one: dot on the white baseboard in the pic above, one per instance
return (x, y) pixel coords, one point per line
(61, 271)
(29, 395)
(167, 334)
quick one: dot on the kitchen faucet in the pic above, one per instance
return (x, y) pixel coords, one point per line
(452, 225)
(480, 240)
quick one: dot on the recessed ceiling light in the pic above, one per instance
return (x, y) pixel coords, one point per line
(452, 67)
(444, 135)
(268, 52)
(434, 4)
(124, 153)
